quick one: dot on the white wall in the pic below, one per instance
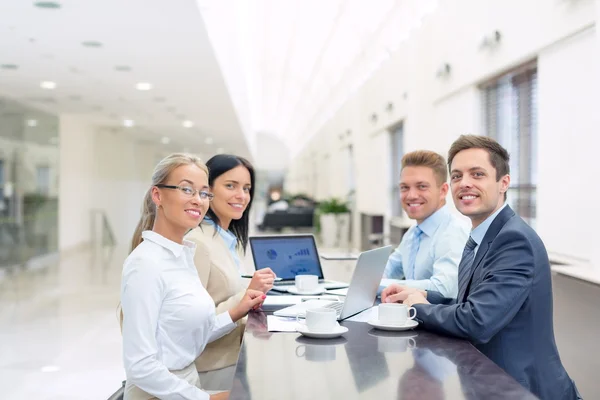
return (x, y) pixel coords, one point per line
(76, 181)
(568, 145)
(436, 110)
(104, 170)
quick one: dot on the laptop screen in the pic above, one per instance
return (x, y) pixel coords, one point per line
(287, 256)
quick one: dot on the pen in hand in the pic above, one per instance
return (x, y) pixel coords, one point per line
(250, 277)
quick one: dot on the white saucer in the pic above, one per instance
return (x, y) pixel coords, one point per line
(338, 331)
(410, 324)
(318, 290)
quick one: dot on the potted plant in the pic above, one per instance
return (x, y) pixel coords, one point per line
(334, 222)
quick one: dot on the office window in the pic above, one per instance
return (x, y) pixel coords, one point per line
(397, 151)
(43, 179)
(510, 117)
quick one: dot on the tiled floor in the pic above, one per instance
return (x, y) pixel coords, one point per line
(60, 339)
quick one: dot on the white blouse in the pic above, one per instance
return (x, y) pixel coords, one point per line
(168, 317)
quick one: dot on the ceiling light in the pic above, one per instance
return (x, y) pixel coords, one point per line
(187, 123)
(208, 140)
(50, 368)
(123, 68)
(91, 43)
(165, 140)
(32, 122)
(47, 4)
(9, 66)
(128, 123)
(143, 86)
(48, 85)
(220, 150)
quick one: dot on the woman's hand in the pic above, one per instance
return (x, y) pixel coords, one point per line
(252, 300)
(262, 280)
(220, 396)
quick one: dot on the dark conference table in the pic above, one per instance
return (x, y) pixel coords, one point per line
(365, 364)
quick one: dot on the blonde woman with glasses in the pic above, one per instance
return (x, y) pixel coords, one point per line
(168, 316)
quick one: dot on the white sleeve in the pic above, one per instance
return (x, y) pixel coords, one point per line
(141, 299)
(223, 325)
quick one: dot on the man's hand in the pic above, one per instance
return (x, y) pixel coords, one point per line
(262, 280)
(398, 294)
(252, 300)
(415, 298)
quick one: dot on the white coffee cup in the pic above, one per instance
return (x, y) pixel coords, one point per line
(322, 320)
(306, 283)
(316, 353)
(391, 344)
(395, 313)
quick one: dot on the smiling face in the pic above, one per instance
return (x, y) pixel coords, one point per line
(475, 190)
(420, 193)
(177, 211)
(232, 195)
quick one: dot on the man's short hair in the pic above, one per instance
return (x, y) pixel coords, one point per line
(499, 157)
(429, 159)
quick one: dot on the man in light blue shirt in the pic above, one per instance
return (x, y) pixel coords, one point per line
(429, 253)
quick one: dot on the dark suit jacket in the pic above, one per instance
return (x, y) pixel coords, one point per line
(506, 311)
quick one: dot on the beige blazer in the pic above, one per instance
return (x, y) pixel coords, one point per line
(221, 278)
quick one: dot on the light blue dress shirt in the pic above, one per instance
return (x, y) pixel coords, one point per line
(479, 233)
(229, 239)
(440, 249)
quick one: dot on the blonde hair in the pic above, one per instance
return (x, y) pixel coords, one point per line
(160, 175)
(429, 159)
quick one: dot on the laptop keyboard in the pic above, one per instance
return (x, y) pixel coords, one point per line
(336, 305)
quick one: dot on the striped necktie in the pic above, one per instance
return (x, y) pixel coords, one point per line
(464, 268)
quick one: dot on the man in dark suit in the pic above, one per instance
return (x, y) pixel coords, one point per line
(504, 303)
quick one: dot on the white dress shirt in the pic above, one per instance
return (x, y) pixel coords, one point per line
(440, 249)
(168, 317)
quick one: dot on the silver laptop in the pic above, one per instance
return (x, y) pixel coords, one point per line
(288, 256)
(362, 290)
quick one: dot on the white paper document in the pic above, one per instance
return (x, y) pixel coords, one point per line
(281, 324)
(365, 316)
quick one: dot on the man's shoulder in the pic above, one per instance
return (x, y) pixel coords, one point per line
(515, 230)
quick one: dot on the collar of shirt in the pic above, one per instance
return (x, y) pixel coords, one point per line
(432, 223)
(227, 235)
(479, 233)
(170, 245)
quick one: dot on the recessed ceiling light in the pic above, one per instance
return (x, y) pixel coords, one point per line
(143, 86)
(47, 4)
(32, 122)
(220, 150)
(128, 123)
(48, 85)
(187, 123)
(208, 140)
(9, 66)
(165, 140)
(123, 68)
(50, 368)
(91, 43)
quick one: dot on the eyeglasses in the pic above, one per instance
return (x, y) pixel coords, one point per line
(189, 191)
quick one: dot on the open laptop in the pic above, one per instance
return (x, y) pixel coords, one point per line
(361, 293)
(288, 256)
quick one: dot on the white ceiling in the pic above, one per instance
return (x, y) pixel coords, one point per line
(290, 64)
(164, 42)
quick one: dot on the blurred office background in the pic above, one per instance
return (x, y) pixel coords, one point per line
(324, 97)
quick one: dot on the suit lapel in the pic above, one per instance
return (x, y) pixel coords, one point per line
(500, 220)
